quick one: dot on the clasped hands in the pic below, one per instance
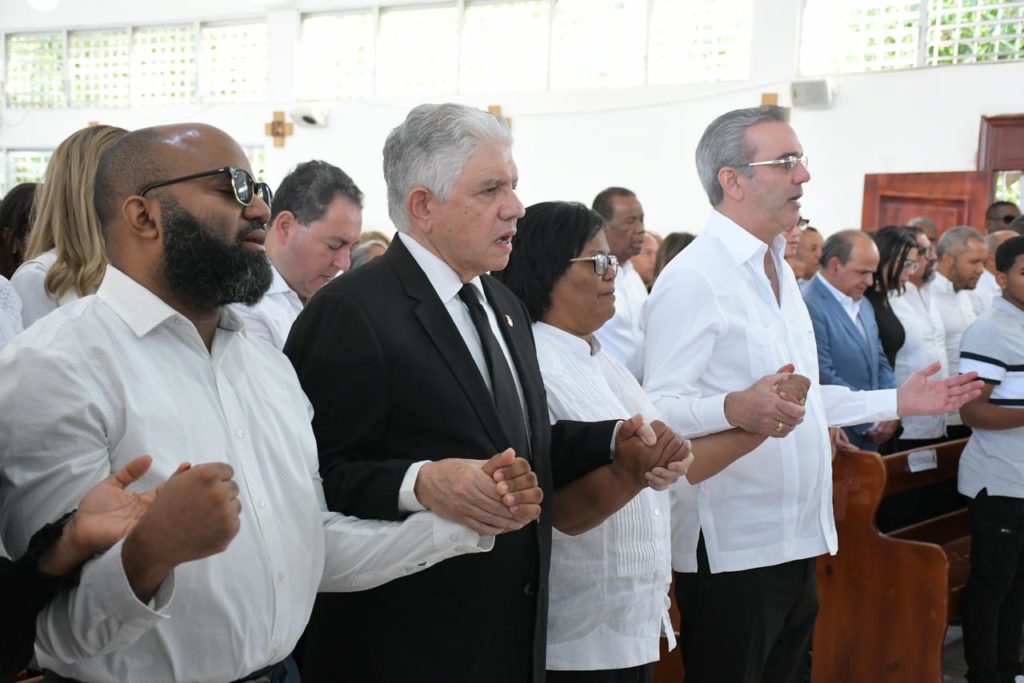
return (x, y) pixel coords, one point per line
(192, 515)
(502, 494)
(773, 406)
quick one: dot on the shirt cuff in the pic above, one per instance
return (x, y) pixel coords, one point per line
(459, 538)
(710, 414)
(885, 399)
(407, 500)
(105, 576)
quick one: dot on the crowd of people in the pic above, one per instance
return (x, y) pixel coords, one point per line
(244, 440)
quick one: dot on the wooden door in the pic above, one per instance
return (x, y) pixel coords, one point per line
(949, 199)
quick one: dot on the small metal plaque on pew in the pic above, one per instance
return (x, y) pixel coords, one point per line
(922, 460)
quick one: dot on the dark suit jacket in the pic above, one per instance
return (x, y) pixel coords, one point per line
(392, 382)
(845, 356)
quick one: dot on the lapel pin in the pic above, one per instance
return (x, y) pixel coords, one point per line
(508, 319)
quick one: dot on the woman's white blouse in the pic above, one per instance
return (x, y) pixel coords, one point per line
(609, 586)
(10, 312)
(29, 281)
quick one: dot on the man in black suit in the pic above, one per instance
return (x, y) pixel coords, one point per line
(419, 366)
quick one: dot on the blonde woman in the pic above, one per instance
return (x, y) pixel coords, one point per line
(65, 258)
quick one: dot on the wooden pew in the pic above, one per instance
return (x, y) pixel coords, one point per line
(886, 599)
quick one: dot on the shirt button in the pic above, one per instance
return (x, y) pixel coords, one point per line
(529, 588)
(657, 513)
(239, 433)
(280, 577)
(263, 504)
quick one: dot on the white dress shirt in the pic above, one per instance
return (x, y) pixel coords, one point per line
(622, 337)
(10, 312)
(112, 376)
(925, 343)
(713, 327)
(272, 317)
(30, 282)
(609, 586)
(957, 314)
(851, 307)
(982, 296)
(447, 283)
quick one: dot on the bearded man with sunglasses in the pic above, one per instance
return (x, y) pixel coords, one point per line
(155, 363)
(723, 314)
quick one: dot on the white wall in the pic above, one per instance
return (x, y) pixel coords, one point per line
(570, 145)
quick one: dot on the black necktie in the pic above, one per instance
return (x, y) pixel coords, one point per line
(503, 386)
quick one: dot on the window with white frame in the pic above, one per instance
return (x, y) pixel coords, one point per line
(257, 155)
(99, 68)
(26, 165)
(693, 41)
(417, 51)
(868, 35)
(598, 43)
(233, 62)
(524, 25)
(163, 65)
(965, 31)
(335, 56)
(35, 70)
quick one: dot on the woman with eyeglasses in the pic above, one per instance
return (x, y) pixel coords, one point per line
(65, 258)
(609, 585)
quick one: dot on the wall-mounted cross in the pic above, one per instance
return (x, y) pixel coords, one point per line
(278, 129)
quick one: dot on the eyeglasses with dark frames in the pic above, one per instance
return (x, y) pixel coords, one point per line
(602, 262)
(788, 162)
(242, 183)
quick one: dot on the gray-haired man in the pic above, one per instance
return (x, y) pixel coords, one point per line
(744, 541)
(419, 365)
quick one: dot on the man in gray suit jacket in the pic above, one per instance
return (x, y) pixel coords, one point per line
(849, 349)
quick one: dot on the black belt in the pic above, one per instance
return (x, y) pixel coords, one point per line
(275, 673)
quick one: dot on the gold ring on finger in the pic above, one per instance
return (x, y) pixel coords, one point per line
(779, 427)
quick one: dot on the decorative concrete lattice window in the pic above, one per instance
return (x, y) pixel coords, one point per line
(233, 62)
(35, 70)
(859, 35)
(99, 68)
(26, 165)
(583, 56)
(699, 41)
(335, 56)
(968, 31)
(417, 51)
(163, 65)
(526, 24)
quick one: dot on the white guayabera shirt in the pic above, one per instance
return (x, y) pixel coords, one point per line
(713, 327)
(121, 374)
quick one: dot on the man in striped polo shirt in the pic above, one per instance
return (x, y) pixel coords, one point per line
(992, 474)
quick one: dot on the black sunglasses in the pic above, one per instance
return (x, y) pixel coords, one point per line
(242, 183)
